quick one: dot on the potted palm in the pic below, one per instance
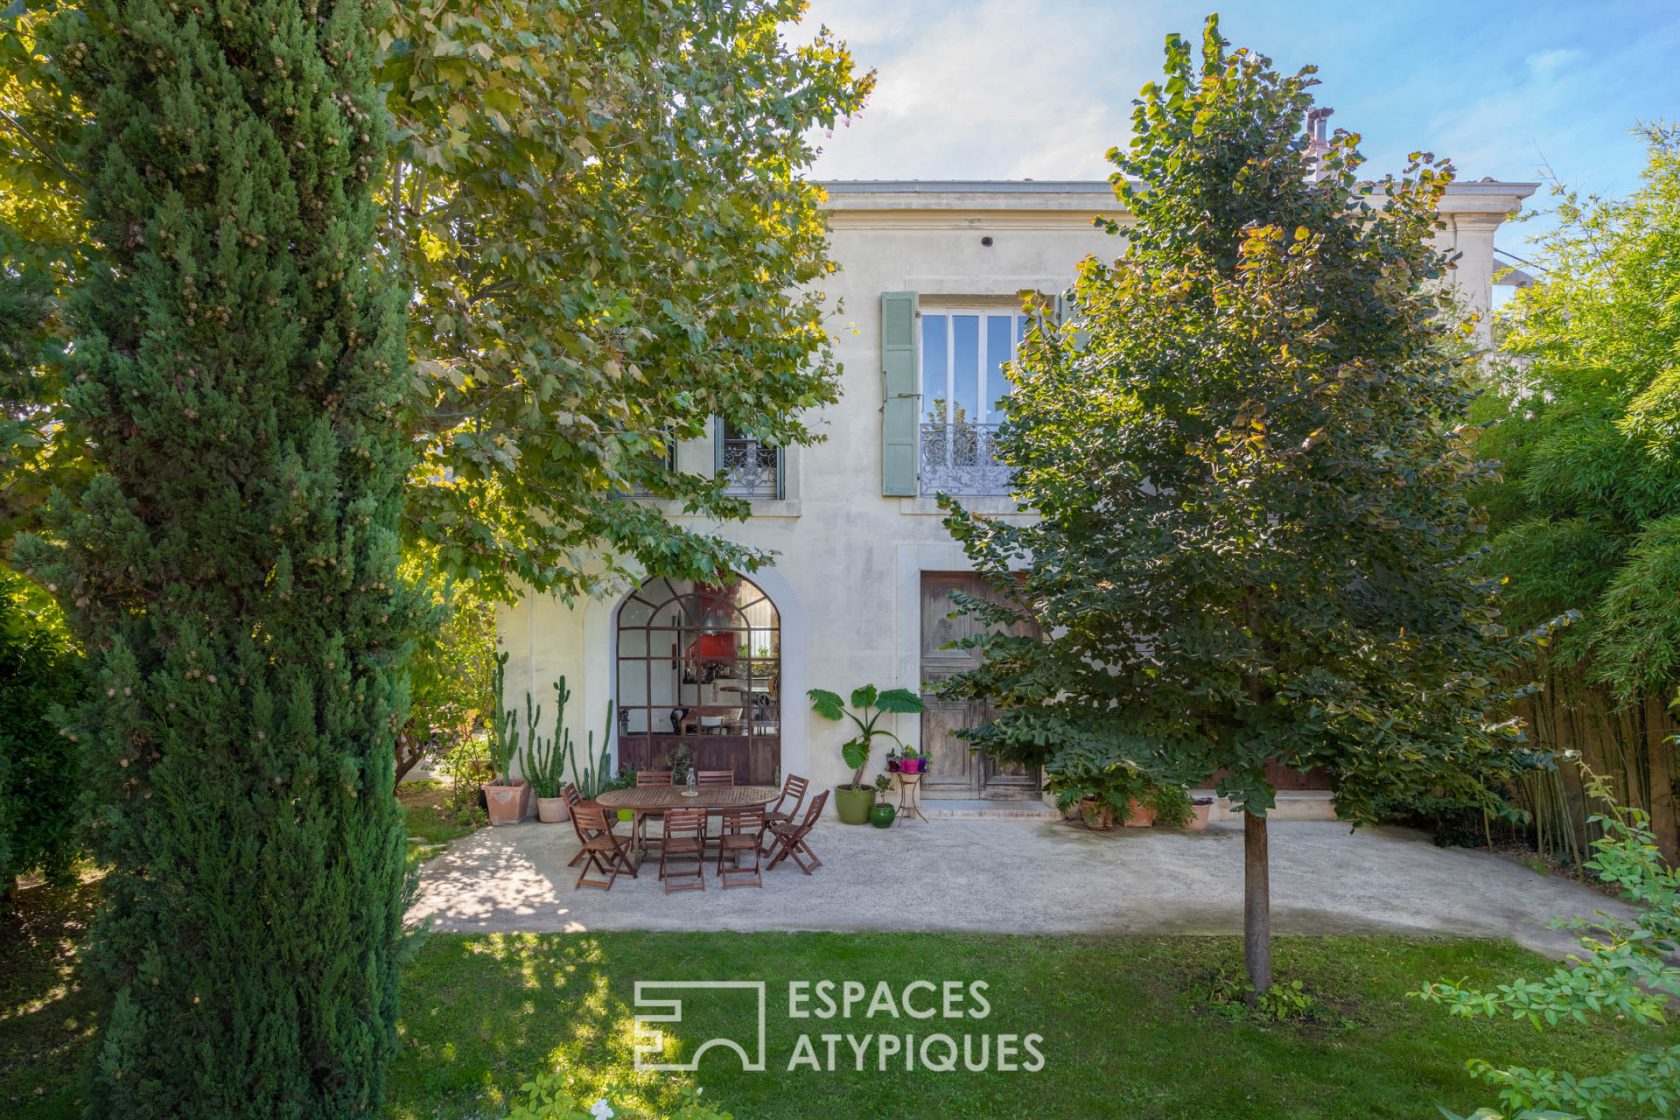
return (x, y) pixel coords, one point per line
(853, 801)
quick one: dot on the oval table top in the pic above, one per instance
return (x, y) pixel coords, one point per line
(676, 797)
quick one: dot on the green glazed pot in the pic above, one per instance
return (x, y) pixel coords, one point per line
(853, 805)
(882, 816)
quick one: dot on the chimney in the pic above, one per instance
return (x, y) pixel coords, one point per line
(1318, 143)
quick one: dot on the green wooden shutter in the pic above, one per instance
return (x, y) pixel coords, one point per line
(899, 394)
(717, 447)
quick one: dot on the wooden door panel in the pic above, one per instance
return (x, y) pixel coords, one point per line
(954, 771)
(951, 765)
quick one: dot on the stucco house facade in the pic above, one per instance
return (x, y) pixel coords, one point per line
(929, 280)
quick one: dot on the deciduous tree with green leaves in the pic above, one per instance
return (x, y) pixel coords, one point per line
(603, 218)
(238, 378)
(1248, 455)
(43, 246)
(612, 246)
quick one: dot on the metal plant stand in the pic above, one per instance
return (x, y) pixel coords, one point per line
(910, 795)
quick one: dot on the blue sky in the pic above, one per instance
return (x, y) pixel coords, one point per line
(1041, 88)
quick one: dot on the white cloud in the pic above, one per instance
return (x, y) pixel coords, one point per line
(1042, 88)
(997, 89)
(1545, 64)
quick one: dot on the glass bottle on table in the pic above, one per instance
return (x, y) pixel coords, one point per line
(693, 783)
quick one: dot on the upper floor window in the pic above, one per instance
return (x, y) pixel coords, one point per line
(963, 354)
(754, 468)
(665, 461)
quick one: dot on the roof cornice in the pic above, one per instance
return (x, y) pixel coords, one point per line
(1083, 197)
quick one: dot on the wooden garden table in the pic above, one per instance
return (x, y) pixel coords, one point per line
(714, 799)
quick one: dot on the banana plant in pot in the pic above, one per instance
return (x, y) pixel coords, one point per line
(869, 704)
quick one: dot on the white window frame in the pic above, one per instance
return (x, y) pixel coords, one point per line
(949, 308)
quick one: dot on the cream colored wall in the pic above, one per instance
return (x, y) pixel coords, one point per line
(849, 561)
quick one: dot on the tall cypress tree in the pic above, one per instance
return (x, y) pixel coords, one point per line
(231, 569)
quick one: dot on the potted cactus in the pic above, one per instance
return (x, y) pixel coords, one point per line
(546, 761)
(506, 800)
(596, 775)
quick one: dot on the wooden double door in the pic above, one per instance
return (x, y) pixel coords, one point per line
(955, 771)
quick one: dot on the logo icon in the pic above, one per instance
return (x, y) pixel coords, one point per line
(649, 1040)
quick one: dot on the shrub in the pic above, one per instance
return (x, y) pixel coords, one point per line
(39, 768)
(1623, 973)
(1077, 775)
(451, 673)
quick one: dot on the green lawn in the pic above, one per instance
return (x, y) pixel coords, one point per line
(1125, 1028)
(1126, 1031)
(432, 822)
(46, 1017)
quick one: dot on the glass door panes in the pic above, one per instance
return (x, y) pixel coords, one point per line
(963, 356)
(699, 658)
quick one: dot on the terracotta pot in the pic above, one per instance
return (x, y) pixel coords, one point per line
(1139, 815)
(1098, 815)
(552, 810)
(507, 804)
(1198, 816)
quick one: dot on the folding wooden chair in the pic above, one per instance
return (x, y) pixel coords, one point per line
(739, 836)
(684, 839)
(790, 838)
(785, 810)
(604, 850)
(639, 830)
(573, 799)
(715, 778)
(793, 790)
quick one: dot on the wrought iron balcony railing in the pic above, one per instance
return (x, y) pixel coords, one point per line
(960, 459)
(754, 470)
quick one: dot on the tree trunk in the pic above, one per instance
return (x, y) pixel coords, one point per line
(1257, 905)
(410, 750)
(1659, 749)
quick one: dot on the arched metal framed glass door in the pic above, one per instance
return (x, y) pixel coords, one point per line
(699, 672)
